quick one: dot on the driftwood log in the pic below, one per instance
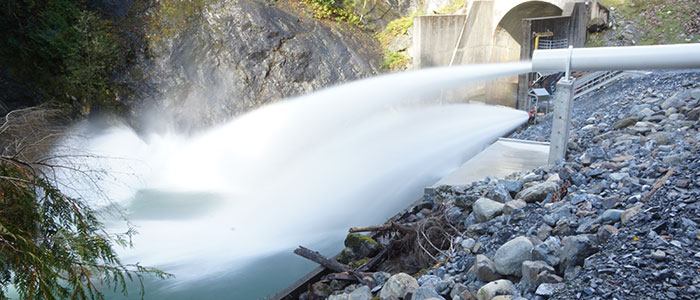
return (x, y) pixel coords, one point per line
(340, 269)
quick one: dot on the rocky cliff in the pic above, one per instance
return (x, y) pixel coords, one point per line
(239, 54)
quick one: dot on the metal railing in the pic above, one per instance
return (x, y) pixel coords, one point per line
(553, 44)
(593, 81)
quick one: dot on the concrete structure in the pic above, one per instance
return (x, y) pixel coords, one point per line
(561, 123)
(502, 158)
(494, 31)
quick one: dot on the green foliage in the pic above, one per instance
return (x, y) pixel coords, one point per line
(61, 49)
(660, 21)
(452, 7)
(52, 246)
(329, 9)
(395, 61)
(399, 26)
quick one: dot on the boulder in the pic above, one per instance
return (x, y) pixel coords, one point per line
(362, 245)
(674, 101)
(513, 205)
(485, 269)
(499, 193)
(537, 192)
(574, 250)
(510, 256)
(512, 186)
(662, 138)
(361, 293)
(461, 291)
(495, 288)
(531, 270)
(398, 286)
(611, 216)
(425, 293)
(486, 209)
(626, 122)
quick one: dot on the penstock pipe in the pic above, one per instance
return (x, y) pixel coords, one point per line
(679, 56)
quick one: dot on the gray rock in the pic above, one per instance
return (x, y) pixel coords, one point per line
(486, 209)
(530, 177)
(645, 113)
(398, 286)
(468, 244)
(618, 176)
(499, 193)
(425, 293)
(611, 216)
(431, 280)
(380, 277)
(512, 254)
(574, 250)
(674, 159)
(662, 138)
(512, 186)
(512, 205)
(361, 293)
(626, 122)
(658, 255)
(530, 272)
(461, 291)
(537, 192)
(546, 289)
(485, 269)
(627, 214)
(494, 288)
(673, 101)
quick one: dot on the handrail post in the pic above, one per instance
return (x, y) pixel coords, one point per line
(561, 122)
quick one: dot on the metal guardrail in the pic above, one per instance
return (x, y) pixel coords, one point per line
(553, 44)
(592, 81)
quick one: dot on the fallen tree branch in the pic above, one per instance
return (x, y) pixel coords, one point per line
(658, 185)
(374, 261)
(385, 227)
(322, 260)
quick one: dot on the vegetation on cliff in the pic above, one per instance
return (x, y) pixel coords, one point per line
(650, 22)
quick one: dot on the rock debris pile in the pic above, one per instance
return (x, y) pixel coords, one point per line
(617, 220)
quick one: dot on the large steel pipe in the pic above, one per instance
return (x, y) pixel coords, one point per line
(681, 56)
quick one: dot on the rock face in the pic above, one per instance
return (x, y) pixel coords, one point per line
(511, 255)
(398, 286)
(241, 54)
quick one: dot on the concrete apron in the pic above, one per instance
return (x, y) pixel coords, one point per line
(502, 158)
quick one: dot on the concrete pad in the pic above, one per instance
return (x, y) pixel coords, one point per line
(502, 158)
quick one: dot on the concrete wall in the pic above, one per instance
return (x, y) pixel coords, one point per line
(599, 10)
(492, 32)
(571, 27)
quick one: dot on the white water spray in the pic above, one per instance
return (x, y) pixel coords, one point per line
(300, 171)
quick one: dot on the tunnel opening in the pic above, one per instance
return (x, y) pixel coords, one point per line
(507, 41)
